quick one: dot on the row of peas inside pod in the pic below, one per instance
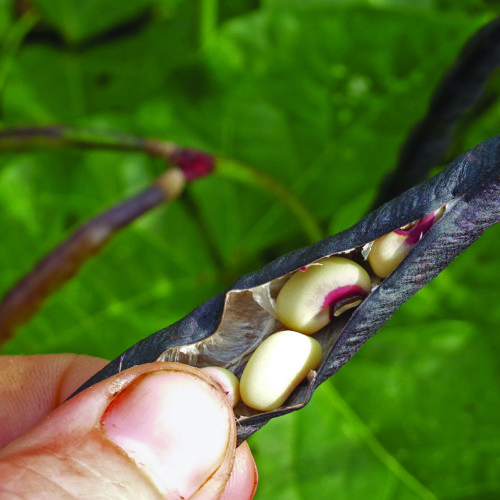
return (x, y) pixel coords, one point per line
(311, 298)
(308, 301)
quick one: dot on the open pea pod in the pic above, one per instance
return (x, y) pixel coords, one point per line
(450, 211)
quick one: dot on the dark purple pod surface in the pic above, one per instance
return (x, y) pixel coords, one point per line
(226, 329)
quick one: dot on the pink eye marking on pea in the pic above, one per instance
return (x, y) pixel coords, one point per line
(341, 296)
(420, 228)
(304, 269)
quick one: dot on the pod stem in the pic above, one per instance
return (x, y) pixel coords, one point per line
(459, 90)
(63, 136)
(55, 269)
(192, 162)
(250, 176)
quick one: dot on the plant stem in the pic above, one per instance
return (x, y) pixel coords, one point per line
(252, 177)
(193, 163)
(62, 136)
(27, 296)
(208, 21)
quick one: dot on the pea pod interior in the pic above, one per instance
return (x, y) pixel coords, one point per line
(249, 316)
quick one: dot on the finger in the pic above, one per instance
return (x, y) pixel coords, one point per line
(32, 386)
(242, 484)
(157, 430)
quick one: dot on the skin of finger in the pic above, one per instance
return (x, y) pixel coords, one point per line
(81, 460)
(32, 386)
(242, 484)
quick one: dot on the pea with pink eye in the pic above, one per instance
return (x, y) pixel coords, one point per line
(388, 251)
(311, 298)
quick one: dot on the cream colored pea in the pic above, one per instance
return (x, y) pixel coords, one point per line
(312, 297)
(227, 380)
(387, 252)
(277, 367)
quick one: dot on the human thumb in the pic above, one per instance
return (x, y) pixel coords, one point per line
(162, 430)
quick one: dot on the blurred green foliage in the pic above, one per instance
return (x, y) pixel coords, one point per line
(319, 94)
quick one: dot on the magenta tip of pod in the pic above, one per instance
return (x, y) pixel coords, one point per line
(193, 163)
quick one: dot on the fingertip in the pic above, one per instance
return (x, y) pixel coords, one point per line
(177, 427)
(164, 428)
(244, 478)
